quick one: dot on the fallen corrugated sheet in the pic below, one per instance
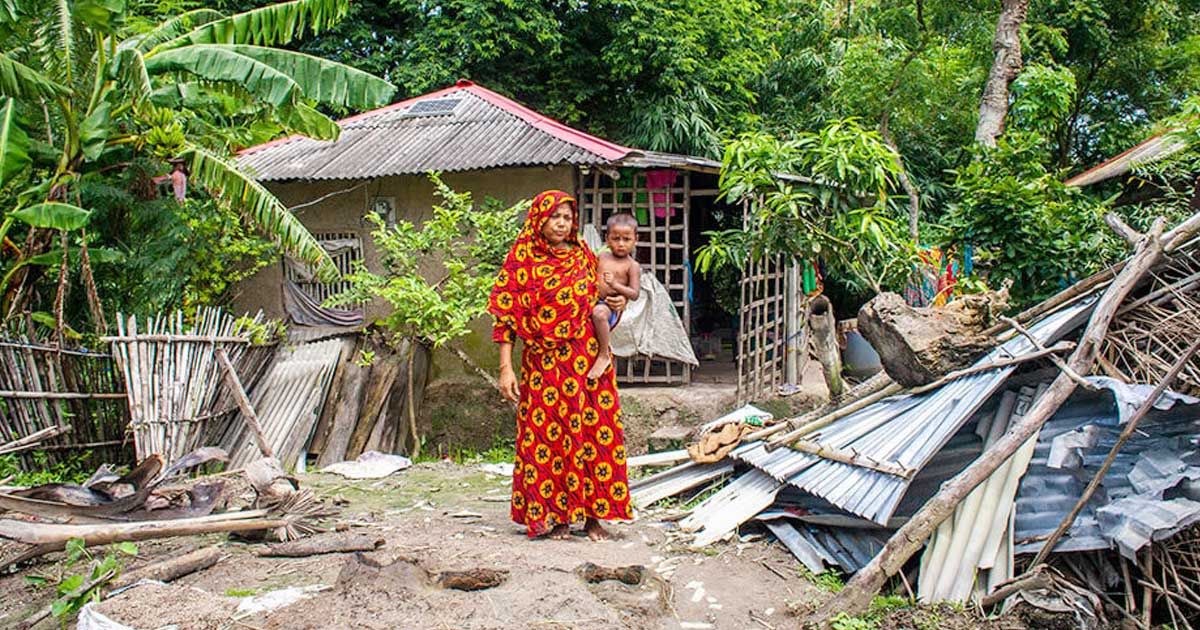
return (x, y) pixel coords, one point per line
(647, 491)
(1141, 497)
(820, 546)
(977, 538)
(288, 402)
(731, 506)
(904, 430)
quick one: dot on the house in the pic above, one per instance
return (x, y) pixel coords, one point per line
(492, 146)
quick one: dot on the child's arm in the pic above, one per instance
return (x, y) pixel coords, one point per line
(634, 288)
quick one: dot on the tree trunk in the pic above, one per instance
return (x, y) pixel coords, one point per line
(909, 539)
(824, 332)
(993, 106)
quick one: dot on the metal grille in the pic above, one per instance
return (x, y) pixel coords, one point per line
(344, 260)
(662, 249)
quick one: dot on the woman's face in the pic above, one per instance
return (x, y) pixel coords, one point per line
(557, 228)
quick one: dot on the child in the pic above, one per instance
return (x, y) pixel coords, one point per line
(619, 274)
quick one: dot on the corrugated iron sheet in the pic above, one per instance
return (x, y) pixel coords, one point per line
(479, 134)
(287, 401)
(818, 547)
(1087, 426)
(731, 506)
(906, 430)
(673, 481)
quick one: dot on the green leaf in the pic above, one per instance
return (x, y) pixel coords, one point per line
(305, 120)
(75, 549)
(221, 63)
(322, 80)
(35, 580)
(20, 81)
(61, 607)
(127, 548)
(93, 133)
(96, 255)
(14, 144)
(53, 215)
(237, 190)
(179, 25)
(8, 10)
(271, 25)
(129, 69)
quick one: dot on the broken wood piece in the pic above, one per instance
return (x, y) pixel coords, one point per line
(852, 458)
(33, 439)
(1035, 579)
(594, 573)
(1054, 358)
(665, 458)
(470, 580)
(172, 568)
(243, 402)
(322, 545)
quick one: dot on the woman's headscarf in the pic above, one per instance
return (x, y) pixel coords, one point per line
(544, 294)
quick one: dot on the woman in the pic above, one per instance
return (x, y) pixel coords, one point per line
(570, 464)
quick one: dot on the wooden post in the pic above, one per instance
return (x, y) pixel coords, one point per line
(824, 332)
(243, 402)
(909, 539)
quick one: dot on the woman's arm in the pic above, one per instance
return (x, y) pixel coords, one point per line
(508, 377)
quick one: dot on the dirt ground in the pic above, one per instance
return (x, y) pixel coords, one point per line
(442, 516)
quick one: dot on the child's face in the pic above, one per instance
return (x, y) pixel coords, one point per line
(557, 228)
(621, 240)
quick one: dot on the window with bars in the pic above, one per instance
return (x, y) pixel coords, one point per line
(344, 248)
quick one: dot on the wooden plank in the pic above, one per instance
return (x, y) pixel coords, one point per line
(349, 401)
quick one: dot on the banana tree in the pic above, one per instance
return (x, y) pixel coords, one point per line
(86, 85)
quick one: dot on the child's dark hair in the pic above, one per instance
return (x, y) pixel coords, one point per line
(621, 219)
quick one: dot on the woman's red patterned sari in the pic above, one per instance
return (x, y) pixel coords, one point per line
(570, 445)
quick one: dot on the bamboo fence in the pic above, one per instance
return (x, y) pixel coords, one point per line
(76, 392)
(174, 381)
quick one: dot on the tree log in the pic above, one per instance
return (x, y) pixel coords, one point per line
(1006, 65)
(172, 568)
(907, 540)
(594, 573)
(243, 401)
(824, 335)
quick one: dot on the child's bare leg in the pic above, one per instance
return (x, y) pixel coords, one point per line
(604, 359)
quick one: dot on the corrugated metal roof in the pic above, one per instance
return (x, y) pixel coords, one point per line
(731, 506)
(1088, 426)
(1154, 148)
(287, 401)
(906, 430)
(485, 130)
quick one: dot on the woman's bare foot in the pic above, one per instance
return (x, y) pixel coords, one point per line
(601, 364)
(560, 532)
(594, 531)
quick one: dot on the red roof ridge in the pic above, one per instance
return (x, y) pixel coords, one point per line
(599, 146)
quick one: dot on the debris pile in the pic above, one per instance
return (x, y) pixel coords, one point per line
(982, 465)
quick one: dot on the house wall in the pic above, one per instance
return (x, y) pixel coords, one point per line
(414, 196)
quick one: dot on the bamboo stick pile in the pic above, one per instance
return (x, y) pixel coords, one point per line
(44, 386)
(173, 379)
(1151, 332)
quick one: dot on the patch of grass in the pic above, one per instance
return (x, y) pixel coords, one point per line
(240, 592)
(847, 622)
(829, 581)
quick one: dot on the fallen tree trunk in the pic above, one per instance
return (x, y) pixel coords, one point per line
(172, 568)
(909, 539)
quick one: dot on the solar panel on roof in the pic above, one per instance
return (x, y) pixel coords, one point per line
(433, 107)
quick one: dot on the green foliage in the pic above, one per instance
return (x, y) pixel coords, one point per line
(105, 83)
(438, 274)
(70, 470)
(828, 581)
(843, 621)
(841, 213)
(1027, 227)
(74, 590)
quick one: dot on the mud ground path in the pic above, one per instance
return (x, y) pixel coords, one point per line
(446, 517)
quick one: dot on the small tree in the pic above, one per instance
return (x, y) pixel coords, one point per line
(437, 275)
(839, 211)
